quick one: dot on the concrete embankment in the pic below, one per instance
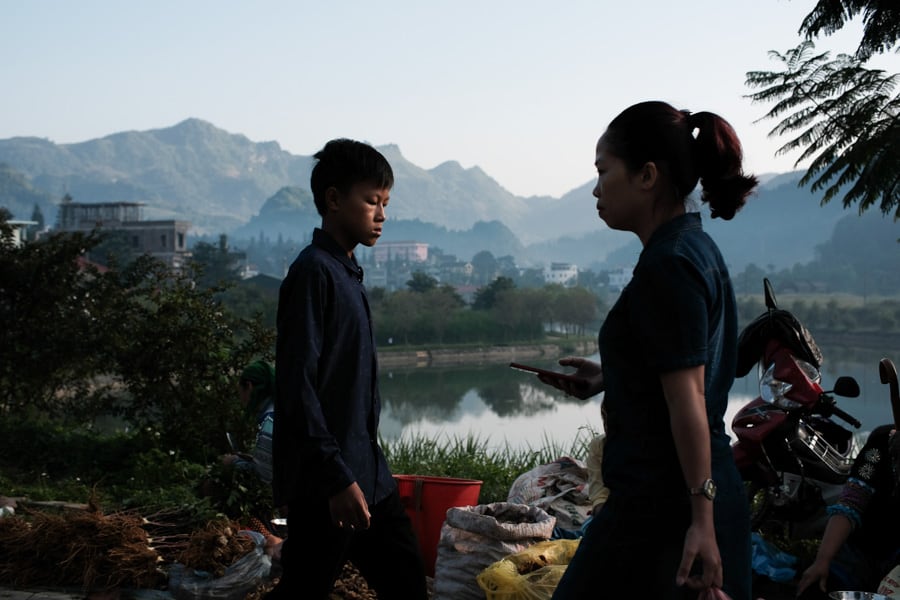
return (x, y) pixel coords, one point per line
(447, 357)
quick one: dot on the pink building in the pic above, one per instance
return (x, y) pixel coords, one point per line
(410, 252)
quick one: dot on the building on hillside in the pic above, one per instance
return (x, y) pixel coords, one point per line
(619, 278)
(19, 229)
(409, 252)
(564, 274)
(164, 240)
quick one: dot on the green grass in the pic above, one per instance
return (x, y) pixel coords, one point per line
(472, 457)
(76, 465)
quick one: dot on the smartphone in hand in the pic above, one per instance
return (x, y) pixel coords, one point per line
(546, 372)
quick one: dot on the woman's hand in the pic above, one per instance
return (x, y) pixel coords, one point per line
(816, 573)
(589, 374)
(700, 543)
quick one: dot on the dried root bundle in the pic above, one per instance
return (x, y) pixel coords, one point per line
(352, 586)
(215, 547)
(77, 548)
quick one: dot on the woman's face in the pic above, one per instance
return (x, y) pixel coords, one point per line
(245, 390)
(618, 202)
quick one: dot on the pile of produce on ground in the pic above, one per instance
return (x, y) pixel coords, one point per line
(215, 547)
(82, 548)
(349, 586)
(97, 552)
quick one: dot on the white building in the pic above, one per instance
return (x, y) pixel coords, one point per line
(564, 274)
(619, 278)
(18, 231)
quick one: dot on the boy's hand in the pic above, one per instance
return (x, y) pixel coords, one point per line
(349, 508)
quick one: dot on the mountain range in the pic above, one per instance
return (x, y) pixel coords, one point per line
(225, 183)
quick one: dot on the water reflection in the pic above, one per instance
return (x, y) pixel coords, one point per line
(503, 406)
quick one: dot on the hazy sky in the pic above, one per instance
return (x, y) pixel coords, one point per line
(519, 88)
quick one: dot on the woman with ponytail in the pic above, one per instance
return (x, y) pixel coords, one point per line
(676, 522)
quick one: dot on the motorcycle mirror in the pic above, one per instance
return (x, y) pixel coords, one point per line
(769, 294)
(846, 386)
(888, 373)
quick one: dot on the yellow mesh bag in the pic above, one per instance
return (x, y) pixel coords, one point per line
(531, 574)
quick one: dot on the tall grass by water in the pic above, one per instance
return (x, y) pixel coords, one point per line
(473, 457)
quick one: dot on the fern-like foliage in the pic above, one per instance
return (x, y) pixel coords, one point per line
(881, 22)
(842, 117)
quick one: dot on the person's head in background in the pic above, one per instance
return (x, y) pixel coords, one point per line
(256, 386)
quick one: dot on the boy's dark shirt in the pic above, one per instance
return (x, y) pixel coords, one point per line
(327, 403)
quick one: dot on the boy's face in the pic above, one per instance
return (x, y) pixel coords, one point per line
(357, 216)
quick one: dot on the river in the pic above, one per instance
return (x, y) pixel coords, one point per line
(504, 407)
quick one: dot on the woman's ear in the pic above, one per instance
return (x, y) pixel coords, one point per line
(649, 175)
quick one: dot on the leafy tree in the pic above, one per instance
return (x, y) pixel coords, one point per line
(881, 22)
(6, 230)
(178, 354)
(251, 302)
(539, 307)
(140, 342)
(484, 267)
(215, 265)
(581, 308)
(440, 306)
(845, 117)
(509, 312)
(52, 312)
(400, 311)
(421, 282)
(113, 249)
(38, 217)
(487, 297)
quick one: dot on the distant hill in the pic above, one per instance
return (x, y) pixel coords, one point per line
(291, 214)
(19, 197)
(191, 171)
(781, 225)
(219, 180)
(225, 183)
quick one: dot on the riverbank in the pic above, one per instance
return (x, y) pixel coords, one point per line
(395, 358)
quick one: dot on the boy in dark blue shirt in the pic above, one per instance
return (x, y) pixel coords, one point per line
(328, 467)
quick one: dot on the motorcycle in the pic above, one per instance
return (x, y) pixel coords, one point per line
(793, 454)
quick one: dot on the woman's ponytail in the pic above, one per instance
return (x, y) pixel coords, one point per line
(718, 159)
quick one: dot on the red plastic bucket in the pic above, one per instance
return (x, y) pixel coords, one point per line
(427, 500)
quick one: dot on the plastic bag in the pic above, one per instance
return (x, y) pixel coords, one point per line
(474, 537)
(531, 574)
(713, 594)
(770, 561)
(241, 578)
(559, 487)
(890, 583)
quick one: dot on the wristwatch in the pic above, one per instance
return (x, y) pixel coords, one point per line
(707, 488)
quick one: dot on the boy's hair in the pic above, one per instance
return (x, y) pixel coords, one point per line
(343, 163)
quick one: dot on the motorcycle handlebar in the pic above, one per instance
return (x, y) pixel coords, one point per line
(847, 417)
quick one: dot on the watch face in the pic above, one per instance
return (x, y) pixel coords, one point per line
(706, 489)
